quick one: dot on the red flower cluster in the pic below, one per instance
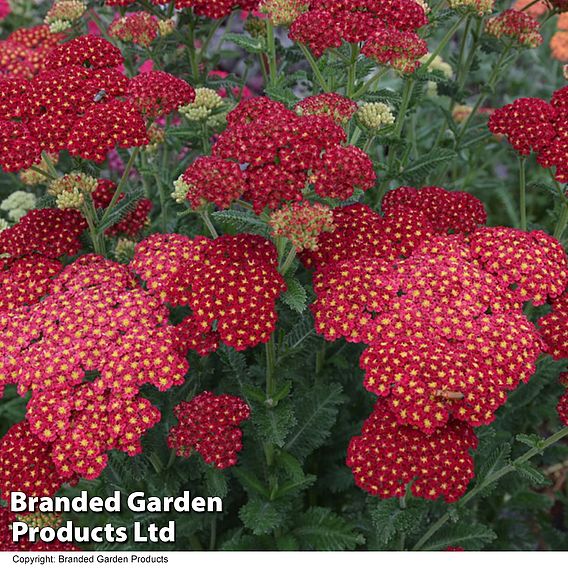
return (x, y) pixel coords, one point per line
(438, 301)
(337, 107)
(211, 180)
(84, 351)
(133, 222)
(156, 93)
(74, 104)
(560, 5)
(23, 52)
(554, 328)
(447, 211)
(209, 8)
(230, 283)
(209, 425)
(532, 266)
(534, 125)
(140, 28)
(399, 49)
(281, 153)
(387, 456)
(516, 25)
(26, 464)
(328, 23)
(32, 247)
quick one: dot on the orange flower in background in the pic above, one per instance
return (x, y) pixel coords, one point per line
(559, 46)
(536, 10)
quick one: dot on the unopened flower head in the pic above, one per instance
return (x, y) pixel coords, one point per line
(77, 182)
(157, 136)
(439, 65)
(302, 223)
(480, 7)
(283, 12)
(166, 27)
(206, 102)
(63, 14)
(124, 250)
(517, 26)
(34, 177)
(375, 116)
(17, 204)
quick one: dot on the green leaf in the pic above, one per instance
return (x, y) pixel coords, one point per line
(250, 44)
(242, 221)
(261, 517)
(531, 474)
(216, 482)
(316, 412)
(321, 529)
(250, 481)
(497, 458)
(125, 206)
(389, 519)
(274, 423)
(422, 167)
(295, 296)
(470, 536)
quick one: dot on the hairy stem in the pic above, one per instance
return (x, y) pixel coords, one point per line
(523, 192)
(315, 67)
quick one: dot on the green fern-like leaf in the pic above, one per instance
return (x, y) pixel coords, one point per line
(321, 529)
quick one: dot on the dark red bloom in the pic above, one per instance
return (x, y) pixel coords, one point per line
(209, 425)
(386, 457)
(554, 328)
(26, 464)
(455, 211)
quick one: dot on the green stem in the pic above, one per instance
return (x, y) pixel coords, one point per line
(481, 99)
(270, 349)
(562, 221)
(450, 33)
(213, 537)
(490, 480)
(399, 124)
(315, 67)
(271, 44)
(208, 223)
(121, 184)
(352, 71)
(370, 83)
(288, 262)
(191, 52)
(45, 174)
(523, 192)
(50, 167)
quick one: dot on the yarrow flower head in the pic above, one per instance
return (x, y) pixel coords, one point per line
(554, 328)
(209, 424)
(447, 211)
(210, 180)
(205, 104)
(327, 24)
(17, 204)
(386, 457)
(63, 14)
(399, 49)
(139, 28)
(302, 223)
(157, 93)
(95, 323)
(539, 126)
(375, 116)
(26, 464)
(479, 7)
(71, 189)
(518, 26)
(337, 107)
(283, 12)
(282, 153)
(231, 280)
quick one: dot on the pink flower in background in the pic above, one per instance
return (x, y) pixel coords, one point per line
(5, 9)
(245, 94)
